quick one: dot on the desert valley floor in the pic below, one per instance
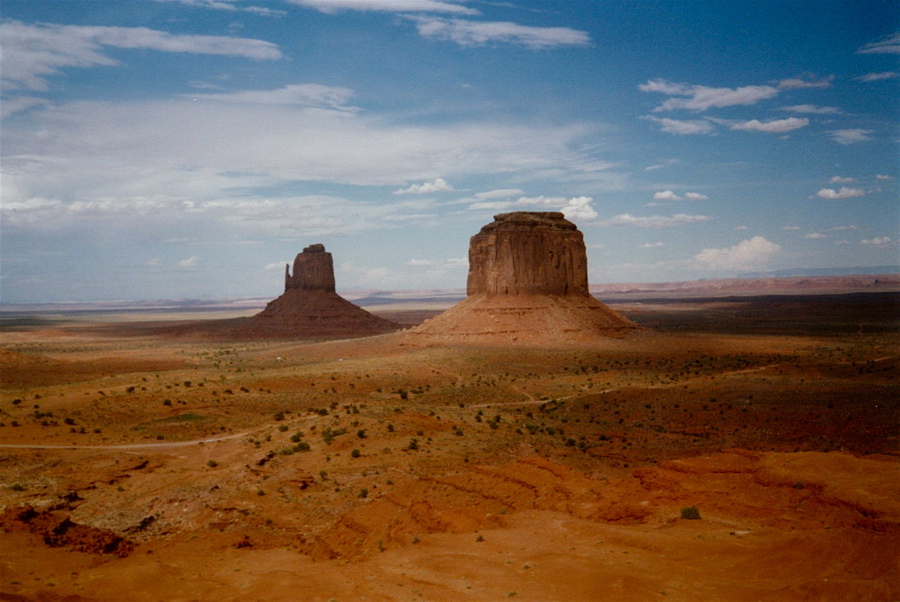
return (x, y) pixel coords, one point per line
(147, 467)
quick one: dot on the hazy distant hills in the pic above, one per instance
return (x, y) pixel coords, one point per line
(784, 282)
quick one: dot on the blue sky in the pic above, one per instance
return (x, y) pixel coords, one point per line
(190, 148)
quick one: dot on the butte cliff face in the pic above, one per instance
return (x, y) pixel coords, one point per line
(528, 253)
(310, 307)
(527, 284)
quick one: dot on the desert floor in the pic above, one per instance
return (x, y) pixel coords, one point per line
(138, 467)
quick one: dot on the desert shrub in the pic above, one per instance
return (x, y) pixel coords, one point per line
(361, 433)
(212, 463)
(690, 513)
(363, 493)
(354, 453)
(296, 436)
(282, 427)
(279, 416)
(413, 445)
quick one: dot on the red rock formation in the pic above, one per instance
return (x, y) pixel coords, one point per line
(310, 307)
(313, 270)
(528, 253)
(527, 285)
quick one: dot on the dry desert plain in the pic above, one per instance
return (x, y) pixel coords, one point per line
(137, 466)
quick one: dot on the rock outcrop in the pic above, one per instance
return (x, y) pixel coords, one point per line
(528, 253)
(527, 284)
(310, 307)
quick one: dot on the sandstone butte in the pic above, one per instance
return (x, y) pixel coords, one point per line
(527, 284)
(310, 307)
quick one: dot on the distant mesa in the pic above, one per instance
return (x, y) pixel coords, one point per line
(527, 284)
(310, 307)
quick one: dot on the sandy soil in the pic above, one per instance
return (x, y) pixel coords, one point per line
(144, 468)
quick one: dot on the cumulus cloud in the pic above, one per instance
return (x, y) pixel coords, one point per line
(843, 193)
(682, 127)
(653, 245)
(479, 33)
(790, 228)
(575, 208)
(776, 126)
(877, 77)
(878, 241)
(32, 53)
(701, 98)
(436, 185)
(884, 178)
(750, 254)
(666, 195)
(652, 221)
(850, 136)
(669, 195)
(840, 180)
(889, 45)
(815, 235)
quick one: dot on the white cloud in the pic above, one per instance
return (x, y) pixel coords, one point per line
(741, 228)
(850, 136)
(31, 53)
(418, 262)
(666, 195)
(188, 263)
(669, 195)
(815, 235)
(575, 208)
(436, 185)
(884, 178)
(683, 127)
(229, 5)
(701, 98)
(799, 82)
(479, 33)
(306, 95)
(840, 180)
(405, 6)
(579, 208)
(882, 241)
(666, 163)
(843, 193)
(812, 109)
(653, 245)
(889, 45)
(877, 77)
(653, 221)
(166, 151)
(751, 254)
(791, 228)
(842, 228)
(776, 126)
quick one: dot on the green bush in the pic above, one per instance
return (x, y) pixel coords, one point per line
(690, 513)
